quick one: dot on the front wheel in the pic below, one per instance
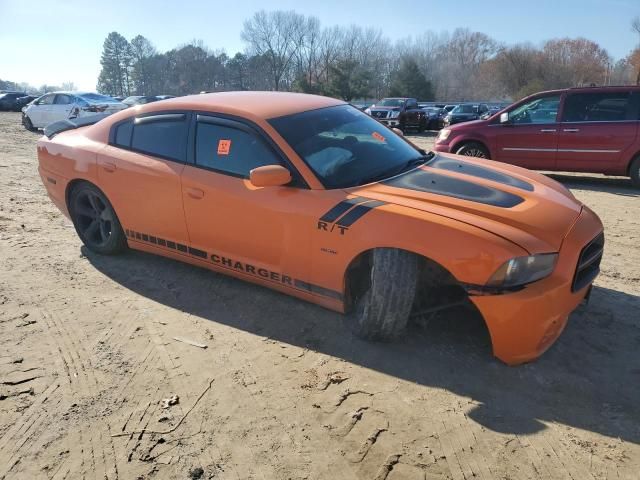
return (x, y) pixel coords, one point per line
(26, 121)
(382, 312)
(473, 149)
(634, 172)
(95, 220)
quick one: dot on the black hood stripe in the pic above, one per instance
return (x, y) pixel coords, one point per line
(341, 208)
(358, 212)
(432, 182)
(452, 165)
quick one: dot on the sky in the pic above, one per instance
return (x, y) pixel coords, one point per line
(44, 42)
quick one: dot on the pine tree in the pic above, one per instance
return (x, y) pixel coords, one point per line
(410, 82)
(116, 61)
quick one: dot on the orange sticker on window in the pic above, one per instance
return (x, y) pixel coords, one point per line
(378, 137)
(224, 146)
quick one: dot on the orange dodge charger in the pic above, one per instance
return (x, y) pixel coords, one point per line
(311, 197)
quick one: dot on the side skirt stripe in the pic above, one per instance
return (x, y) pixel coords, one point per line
(243, 268)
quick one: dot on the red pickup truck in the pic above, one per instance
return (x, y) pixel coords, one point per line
(590, 129)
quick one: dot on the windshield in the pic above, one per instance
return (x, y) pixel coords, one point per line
(95, 98)
(390, 102)
(465, 109)
(345, 147)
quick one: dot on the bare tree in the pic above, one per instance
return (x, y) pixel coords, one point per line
(276, 36)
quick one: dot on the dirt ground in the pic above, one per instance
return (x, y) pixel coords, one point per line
(283, 390)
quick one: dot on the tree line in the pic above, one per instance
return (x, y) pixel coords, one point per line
(289, 51)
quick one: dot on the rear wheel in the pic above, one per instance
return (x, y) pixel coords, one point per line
(634, 172)
(473, 149)
(95, 220)
(386, 296)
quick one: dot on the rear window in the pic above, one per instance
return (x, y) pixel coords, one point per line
(164, 136)
(97, 98)
(599, 107)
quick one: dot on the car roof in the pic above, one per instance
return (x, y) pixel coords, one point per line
(263, 105)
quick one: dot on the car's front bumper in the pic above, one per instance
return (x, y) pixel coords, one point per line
(524, 324)
(390, 122)
(442, 147)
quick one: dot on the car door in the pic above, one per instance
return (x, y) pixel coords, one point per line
(597, 130)
(61, 108)
(39, 113)
(411, 112)
(530, 136)
(239, 225)
(140, 170)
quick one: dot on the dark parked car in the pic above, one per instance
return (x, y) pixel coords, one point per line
(465, 112)
(434, 117)
(402, 113)
(590, 129)
(134, 100)
(9, 101)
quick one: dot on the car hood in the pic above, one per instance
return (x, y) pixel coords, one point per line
(524, 207)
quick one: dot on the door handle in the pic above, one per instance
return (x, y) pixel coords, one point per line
(109, 167)
(573, 130)
(195, 193)
(548, 130)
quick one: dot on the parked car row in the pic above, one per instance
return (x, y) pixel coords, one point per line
(405, 113)
(14, 101)
(55, 106)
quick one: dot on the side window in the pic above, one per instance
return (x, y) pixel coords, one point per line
(46, 99)
(540, 110)
(412, 104)
(161, 136)
(230, 150)
(598, 107)
(63, 100)
(123, 134)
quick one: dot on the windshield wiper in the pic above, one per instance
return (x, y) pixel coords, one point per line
(408, 165)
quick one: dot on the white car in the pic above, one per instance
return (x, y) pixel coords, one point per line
(56, 106)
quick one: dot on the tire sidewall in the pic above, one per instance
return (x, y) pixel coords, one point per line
(473, 145)
(117, 240)
(634, 173)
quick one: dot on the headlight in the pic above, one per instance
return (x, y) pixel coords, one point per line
(367, 111)
(520, 271)
(444, 134)
(394, 114)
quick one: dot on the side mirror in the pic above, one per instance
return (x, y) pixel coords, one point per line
(269, 176)
(398, 131)
(504, 117)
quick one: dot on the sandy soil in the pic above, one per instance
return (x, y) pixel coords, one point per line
(283, 390)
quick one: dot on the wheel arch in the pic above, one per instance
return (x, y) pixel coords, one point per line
(358, 269)
(634, 157)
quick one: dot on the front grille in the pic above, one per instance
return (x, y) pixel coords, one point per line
(379, 113)
(588, 263)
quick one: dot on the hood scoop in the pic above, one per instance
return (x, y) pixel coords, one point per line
(423, 180)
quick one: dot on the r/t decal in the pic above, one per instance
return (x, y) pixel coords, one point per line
(328, 227)
(346, 213)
